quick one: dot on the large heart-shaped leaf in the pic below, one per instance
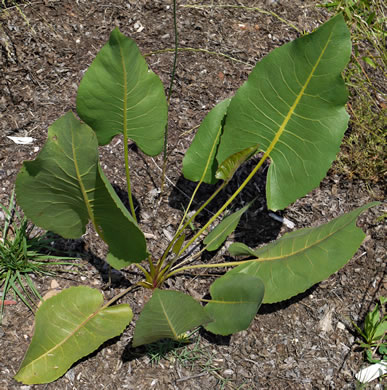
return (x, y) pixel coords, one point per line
(300, 259)
(119, 94)
(168, 314)
(199, 161)
(65, 187)
(68, 326)
(292, 105)
(235, 301)
(219, 234)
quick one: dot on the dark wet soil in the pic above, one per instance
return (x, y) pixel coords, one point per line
(305, 343)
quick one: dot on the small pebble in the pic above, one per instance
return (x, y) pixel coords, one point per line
(340, 325)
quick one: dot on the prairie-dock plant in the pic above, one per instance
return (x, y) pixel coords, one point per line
(23, 253)
(291, 108)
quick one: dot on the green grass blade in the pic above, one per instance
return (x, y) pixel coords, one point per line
(4, 293)
(9, 215)
(31, 285)
(13, 286)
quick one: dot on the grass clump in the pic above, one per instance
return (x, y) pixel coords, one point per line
(363, 150)
(23, 254)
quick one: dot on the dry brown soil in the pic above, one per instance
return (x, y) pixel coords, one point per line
(304, 343)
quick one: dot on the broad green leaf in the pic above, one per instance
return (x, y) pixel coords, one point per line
(168, 314)
(119, 94)
(300, 259)
(126, 241)
(68, 326)
(381, 330)
(65, 187)
(235, 301)
(240, 249)
(292, 105)
(200, 156)
(229, 166)
(219, 234)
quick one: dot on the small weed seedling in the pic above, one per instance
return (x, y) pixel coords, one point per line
(291, 110)
(22, 254)
(374, 333)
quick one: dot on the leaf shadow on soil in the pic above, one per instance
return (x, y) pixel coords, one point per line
(158, 349)
(123, 195)
(106, 344)
(77, 248)
(256, 227)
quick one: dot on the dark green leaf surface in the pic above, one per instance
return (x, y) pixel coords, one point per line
(64, 188)
(120, 94)
(292, 105)
(200, 156)
(298, 260)
(220, 233)
(168, 314)
(381, 329)
(68, 326)
(235, 301)
(240, 249)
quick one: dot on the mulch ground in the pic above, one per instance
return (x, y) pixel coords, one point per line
(305, 343)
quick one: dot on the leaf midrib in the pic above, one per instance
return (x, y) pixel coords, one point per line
(168, 320)
(57, 346)
(295, 104)
(306, 247)
(83, 189)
